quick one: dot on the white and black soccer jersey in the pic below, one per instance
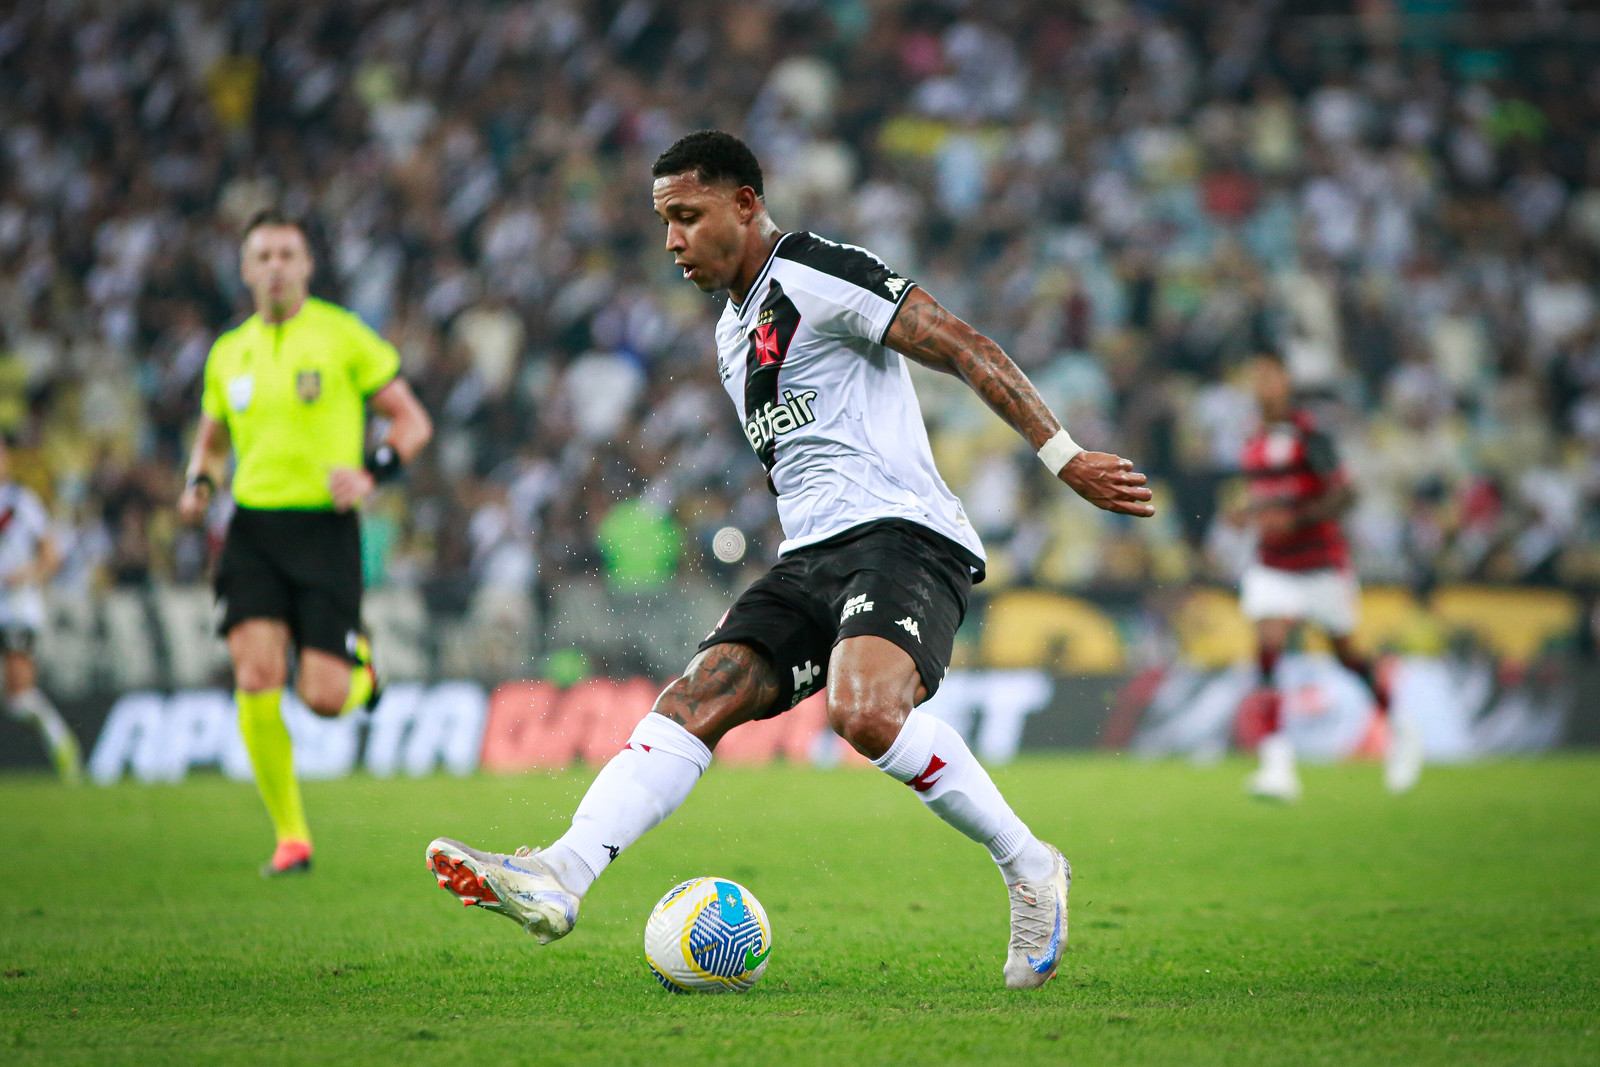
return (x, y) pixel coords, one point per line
(24, 523)
(829, 410)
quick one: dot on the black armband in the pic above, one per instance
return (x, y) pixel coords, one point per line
(384, 464)
(199, 478)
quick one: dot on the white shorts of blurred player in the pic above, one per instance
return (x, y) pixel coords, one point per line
(1330, 598)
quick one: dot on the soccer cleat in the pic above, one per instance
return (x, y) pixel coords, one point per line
(290, 857)
(1403, 764)
(522, 887)
(1276, 778)
(1038, 927)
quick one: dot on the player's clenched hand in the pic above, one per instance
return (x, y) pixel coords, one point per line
(349, 486)
(193, 503)
(1108, 482)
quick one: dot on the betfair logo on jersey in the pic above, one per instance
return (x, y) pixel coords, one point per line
(774, 420)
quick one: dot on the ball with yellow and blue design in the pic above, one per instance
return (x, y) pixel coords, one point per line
(708, 935)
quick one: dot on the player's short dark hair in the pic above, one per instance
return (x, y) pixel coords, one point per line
(274, 216)
(715, 156)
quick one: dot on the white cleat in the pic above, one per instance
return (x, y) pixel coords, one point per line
(1038, 927)
(1403, 764)
(1276, 778)
(520, 886)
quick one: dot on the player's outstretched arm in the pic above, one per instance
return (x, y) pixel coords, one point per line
(924, 331)
(207, 462)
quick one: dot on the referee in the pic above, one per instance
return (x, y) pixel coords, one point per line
(288, 390)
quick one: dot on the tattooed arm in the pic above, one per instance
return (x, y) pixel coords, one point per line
(926, 332)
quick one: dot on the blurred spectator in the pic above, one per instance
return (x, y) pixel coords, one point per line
(1132, 197)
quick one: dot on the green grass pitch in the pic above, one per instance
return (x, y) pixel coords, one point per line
(1457, 925)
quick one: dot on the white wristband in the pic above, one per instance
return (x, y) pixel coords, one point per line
(1058, 451)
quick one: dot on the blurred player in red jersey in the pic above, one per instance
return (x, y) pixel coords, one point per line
(1298, 493)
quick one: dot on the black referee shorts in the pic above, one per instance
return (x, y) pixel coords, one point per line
(891, 578)
(303, 567)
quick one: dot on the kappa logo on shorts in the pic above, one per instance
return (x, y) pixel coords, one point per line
(911, 627)
(855, 606)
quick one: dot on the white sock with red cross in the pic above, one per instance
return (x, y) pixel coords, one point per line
(932, 759)
(634, 791)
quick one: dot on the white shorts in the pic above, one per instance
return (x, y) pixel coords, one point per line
(1330, 598)
(21, 609)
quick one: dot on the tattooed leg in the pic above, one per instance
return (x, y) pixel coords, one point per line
(724, 686)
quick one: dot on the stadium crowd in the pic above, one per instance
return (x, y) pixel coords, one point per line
(1132, 197)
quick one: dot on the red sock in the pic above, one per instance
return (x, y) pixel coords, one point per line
(1272, 713)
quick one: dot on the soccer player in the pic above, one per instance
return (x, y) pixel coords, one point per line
(289, 388)
(875, 569)
(27, 560)
(1297, 493)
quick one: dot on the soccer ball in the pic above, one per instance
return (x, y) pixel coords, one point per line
(708, 935)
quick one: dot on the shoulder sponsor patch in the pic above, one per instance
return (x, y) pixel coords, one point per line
(241, 388)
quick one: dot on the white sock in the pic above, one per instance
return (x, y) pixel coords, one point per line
(932, 759)
(634, 792)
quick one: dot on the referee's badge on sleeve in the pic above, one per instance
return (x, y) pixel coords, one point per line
(308, 383)
(240, 390)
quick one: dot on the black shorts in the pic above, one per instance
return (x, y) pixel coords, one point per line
(891, 578)
(303, 567)
(16, 637)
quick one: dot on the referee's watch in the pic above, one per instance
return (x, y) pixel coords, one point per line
(384, 464)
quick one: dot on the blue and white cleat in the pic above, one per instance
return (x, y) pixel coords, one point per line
(520, 886)
(1038, 927)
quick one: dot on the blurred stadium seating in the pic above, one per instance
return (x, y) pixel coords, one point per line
(164, 639)
(1402, 197)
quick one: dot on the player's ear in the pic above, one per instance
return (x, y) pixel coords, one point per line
(746, 203)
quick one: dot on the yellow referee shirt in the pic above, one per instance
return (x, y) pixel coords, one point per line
(294, 395)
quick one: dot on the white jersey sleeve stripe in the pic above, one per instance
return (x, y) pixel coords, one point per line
(850, 277)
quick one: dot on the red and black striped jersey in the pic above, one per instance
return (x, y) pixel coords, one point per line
(1292, 463)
